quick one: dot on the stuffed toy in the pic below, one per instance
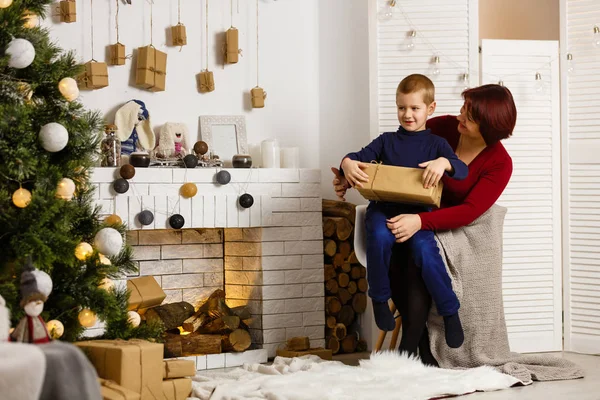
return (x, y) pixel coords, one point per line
(134, 128)
(4, 320)
(35, 288)
(173, 141)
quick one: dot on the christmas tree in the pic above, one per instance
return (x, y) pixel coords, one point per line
(48, 143)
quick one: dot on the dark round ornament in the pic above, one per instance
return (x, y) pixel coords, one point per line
(121, 185)
(176, 221)
(223, 177)
(146, 217)
(190, 161)
(127, 171)
(200, 147)
(246, 200)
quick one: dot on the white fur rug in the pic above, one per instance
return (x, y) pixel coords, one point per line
(385, 376)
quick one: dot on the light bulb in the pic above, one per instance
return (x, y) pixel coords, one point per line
(596, 37)
(87, 318)
(65, 189)
(103, 259)
(55, 328)
(410, 41)
(570, 64)
(435, 67)
(539, 85)
(83, 251)
(68, 88)
(106, 284)
(134, 318)
(5, 3)
(21, 197)
(501, 82)
(386, 13)
(465, 82)
(30, 20)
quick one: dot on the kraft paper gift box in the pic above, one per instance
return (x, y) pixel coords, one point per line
(258, 97)
(206, 82)
(179, 35)
(399, 185)
(151, 72)
(177, 389)
(117, 54)
(111, 391)
(94, 77)
(178, 369)
(135, 364)
(232, 48)
(145, 292)
(68, 11)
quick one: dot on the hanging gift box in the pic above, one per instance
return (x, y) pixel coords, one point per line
(178, 35)
(94, 77)
(258, 97)
(151, 71)
(117, 54)
(232, 47)
(68, 11)
(206, 82)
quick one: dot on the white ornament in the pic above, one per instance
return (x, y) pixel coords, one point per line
(54, 137)
(108, 241)
(134, 318)
(5, 3)
(65, 189)
(43, 281)
(68, 88)
(21, 53)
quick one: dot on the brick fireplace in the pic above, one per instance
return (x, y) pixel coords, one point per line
(268, 257)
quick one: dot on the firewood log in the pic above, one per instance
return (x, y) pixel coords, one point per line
(332, 305)
(333, 344)
(355, 272)
(328, 227)
(363, 272)
(346, 315)
(329, 247)
(343, 279)
(359, 303)
(172, 346)
(345, 248)
(338, 260)
(339, 209)
(351, 287)
(343, 228)
(300, 343)
(331, 321)
(238, 340)
(332, 286)
(346, 267)
(172, 315)
(339, 332)
(197, 343)
(195, 321)
(225, 324)
(362, 285)
(329, 272)
(348, 344)
(344, 295)
(241, 311)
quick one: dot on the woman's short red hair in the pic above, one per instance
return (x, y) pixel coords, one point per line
(493, 108)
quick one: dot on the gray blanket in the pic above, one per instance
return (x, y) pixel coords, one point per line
(473, 256)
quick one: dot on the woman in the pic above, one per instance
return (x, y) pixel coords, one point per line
(487, 116)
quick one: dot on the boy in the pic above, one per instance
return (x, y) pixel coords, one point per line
(411, 146)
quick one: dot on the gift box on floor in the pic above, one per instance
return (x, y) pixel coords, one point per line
(135, 364)
(94, 77)
(178, 369)
(145, 292)
(177, 389)
(111, 391)
(117, 54)
(151, 72)
(68, 11)
(179, 35)
(232, 48)
(399, 185)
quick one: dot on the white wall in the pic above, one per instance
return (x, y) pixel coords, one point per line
(289, 65)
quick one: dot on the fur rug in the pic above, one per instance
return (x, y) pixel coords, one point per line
(384, 376)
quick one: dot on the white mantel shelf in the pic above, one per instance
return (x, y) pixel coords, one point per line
(282, 197)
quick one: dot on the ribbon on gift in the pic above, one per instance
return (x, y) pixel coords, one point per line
(114, 54)
(112, 385)
(63, 11)
(207, 82)
(370, 190)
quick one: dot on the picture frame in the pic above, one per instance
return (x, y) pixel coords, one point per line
(225, 135)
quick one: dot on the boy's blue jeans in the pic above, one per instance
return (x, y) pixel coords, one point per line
(423, 248)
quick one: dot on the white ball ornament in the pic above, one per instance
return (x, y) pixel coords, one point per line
(54, 137)
(55, 328)
(65, 189)
(21, 53)
(108, 241)
(68, 88)
(5, 3)
(134, 318)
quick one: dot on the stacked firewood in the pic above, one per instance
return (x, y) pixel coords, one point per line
(345, 279)
(214, 328)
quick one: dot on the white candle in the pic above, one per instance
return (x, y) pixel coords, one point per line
(270, 153)
(290, 157)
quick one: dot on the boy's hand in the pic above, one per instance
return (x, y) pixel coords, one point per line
(434, 170)
(340, 184)
(354, 172)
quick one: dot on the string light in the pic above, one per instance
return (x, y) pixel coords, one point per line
(410, 41)
(539, 85)
(386, 13)
(30, 20)
(83, 251)
(596, 37)
(87, 318)
(435, 66)
(570, 64)
(501, 82)
(5, 3)
(465, 82)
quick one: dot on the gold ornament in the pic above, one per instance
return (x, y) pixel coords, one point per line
(113, 219)
(25, 91)
(68, 88)
(30, 20)
(134, 318)
(83, 251)
(5, 3)
(87, 318)
(65, 189)
(106, 284)
(55, 328)
(21, 197)
(189, 190)
(103, 259)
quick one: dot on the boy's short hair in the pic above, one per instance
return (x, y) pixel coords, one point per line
(415, 83)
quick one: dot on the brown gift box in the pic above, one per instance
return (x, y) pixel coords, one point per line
(151, 70)
(178, 35)
(111, 391)
(233, 51)
(206, 81)
(94, 77)
(178, 368)
(399, 185)
(68, 11)
(117, 54)
(177, 389)
(145, 293)
(258, 97)
(135, 364)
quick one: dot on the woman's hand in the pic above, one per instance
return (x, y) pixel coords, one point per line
(404, 226)
(354, 172)
(340, 184)
(434, 170)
